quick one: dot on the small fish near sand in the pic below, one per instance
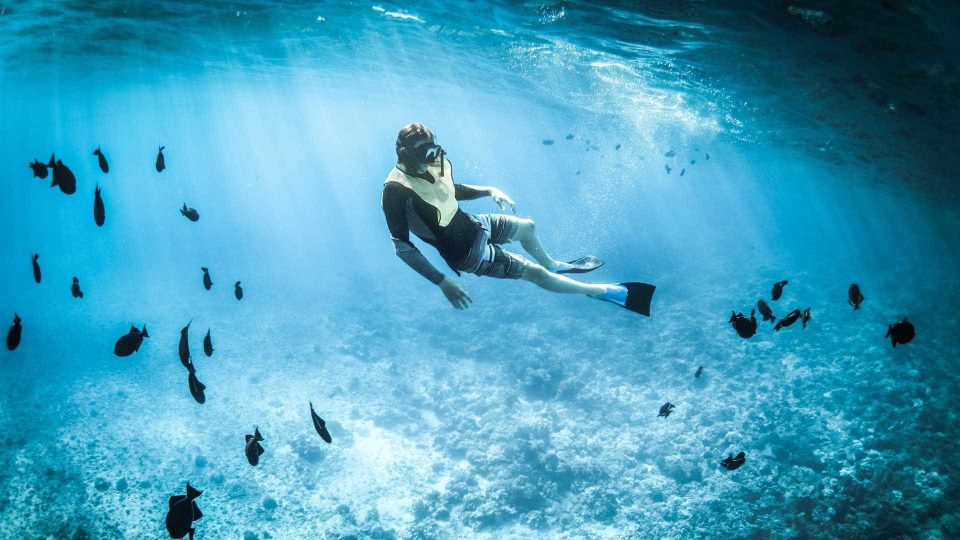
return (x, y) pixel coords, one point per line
(197, 388)
(161, 161)
(238, 291)
(63, 177)
(698, 373)
(75, 288)
(189, 213)
(252, 449)
(792, 317)
(36, 267)
(547, 142)
(666, 409)
(130, 342)
(731, 463)
(39, 169)
(101, 160)
(746, 328)
(99, 213)
(207, 283)
(183, 511)
(765, 311)
(207, 344)
(854, 296)
(16, 331)
(320, 426)
(901, 333)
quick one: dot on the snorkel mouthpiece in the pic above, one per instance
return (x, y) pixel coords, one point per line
(431, 153)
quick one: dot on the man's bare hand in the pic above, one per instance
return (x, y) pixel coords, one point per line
(503, 200)
(455, 294)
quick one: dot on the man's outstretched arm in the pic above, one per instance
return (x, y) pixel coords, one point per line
(467, 192)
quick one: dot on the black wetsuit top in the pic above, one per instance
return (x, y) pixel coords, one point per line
(407, 212)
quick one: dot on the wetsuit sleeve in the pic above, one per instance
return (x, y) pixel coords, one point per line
(394, 209)
(466, 192)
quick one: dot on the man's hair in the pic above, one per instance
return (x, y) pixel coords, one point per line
(410, 133)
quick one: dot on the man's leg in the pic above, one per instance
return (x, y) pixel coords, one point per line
(545, 279)
(527, 236)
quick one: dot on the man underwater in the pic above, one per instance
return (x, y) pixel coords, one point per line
(420, 196)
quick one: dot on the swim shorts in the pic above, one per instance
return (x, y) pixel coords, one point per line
(486, 257)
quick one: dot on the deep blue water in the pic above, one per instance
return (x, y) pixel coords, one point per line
(832, 139)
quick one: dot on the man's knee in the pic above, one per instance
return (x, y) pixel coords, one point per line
(526, 229)
(535, 273)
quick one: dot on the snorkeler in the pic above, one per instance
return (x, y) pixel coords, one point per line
(420, 196)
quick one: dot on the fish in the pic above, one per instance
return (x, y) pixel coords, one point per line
(733, 463)
(791, 318)
(183, 512)
(692, 161)
(805, 317)
(901, 333)
(16, 331)
(184, 348)
(854, 296)
(667, 167)
(207, 344)
(36, 267)
(707, 157)
(253, 450)
(682, 172)
(130, 342)
(99, 214)
(765, 311)
(75, 288)
(196, 387)
(547, 142)
(569, 136)
(238, 291)
(161, 162)
(699, 372)
(189, 213)
(101, 160)
(320, 426)
(617, 147)
(39, 169)
(745, 327)
(670, 153)
(666, 409)
(62, 176)
(778, 289)
(206, 278)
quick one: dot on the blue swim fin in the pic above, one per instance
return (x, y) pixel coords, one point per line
(637, 299)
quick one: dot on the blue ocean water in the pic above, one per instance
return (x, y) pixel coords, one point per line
(709, 149)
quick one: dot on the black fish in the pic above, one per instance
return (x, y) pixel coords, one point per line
(161, 163)
(699, 371)
(791, 318)
(778, 289)
(99, 214)
(900, 333)
(238, 291)
(62, 176)
(130, 342)
(667, 167)
(75, 288)
(766, 311)
(13, 336)
(206, 278)
(547, 142)
(196, 387)
(36, 267)
(190, 213)
(805, 318)
(745, 327)
(207, 344)
(666, 409)
(183, 512)
(253, 450)
(184, 348)
(682, 171)
(854, 297)
(733, 463)
(670, 153)
(102, 160)
(39, 169)
(320, 426)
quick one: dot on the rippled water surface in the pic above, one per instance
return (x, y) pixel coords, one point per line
(709, 148)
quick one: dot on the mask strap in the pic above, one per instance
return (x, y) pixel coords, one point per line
(442, 153)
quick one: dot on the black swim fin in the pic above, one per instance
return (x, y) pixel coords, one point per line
(582, 265)
(639, 296)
